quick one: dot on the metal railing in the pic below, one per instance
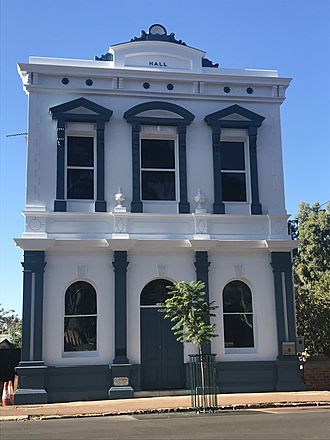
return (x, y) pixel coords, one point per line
(204, 390)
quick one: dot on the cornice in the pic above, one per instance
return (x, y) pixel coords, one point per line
(156, 245)
(155, 95)
(131, 73)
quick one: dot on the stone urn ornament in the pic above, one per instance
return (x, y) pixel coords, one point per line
(120, 198)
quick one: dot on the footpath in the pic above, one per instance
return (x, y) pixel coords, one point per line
(165, 404)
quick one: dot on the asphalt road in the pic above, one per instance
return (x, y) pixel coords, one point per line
(285, 423)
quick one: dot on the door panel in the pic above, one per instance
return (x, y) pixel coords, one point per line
(162, 364)
(150, 349)
(172, 358)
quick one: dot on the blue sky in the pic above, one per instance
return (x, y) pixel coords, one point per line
(291, 36)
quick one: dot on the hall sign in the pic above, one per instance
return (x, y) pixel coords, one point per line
(157, 64)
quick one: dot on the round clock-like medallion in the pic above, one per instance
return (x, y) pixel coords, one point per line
(157, 29)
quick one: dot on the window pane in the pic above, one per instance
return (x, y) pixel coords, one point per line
(238, 330)
(155, 292)
(237, 297)
(156, 153)
(80, 184)
(80, 151)
(233, 187)
(80, 299)
(158, 185)
(80, 334)
(232, 156)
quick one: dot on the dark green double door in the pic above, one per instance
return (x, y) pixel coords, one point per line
(162, 366)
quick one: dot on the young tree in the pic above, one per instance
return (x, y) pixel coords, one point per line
(187, 308)
(312, 277)
(11, 324)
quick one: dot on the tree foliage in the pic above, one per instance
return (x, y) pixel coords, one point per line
(312, 277)
(11, 324)
(187, 308)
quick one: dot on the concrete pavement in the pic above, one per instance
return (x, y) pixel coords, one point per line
(160, 404)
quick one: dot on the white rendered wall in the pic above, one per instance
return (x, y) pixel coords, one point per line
(96, 268)
(41, 181)
(255, 270)
(63, 269)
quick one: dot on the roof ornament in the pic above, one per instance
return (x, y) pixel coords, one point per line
(208, 63)
(105, 57)
(157, 32)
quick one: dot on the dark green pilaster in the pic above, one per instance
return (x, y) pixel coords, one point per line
(26, 321)
(202, 274)
(31, 369)
(33, 287)
(60, 202)
(120, 369)
(120, 264)
(284, 297)
(100, 204)
(39, 266)
(218, 205)
(184, 206)
(288, 373)
(255, 205)
(136, 205)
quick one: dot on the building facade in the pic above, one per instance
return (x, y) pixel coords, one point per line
(147, 166)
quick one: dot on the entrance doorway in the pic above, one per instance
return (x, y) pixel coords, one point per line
(162, 366)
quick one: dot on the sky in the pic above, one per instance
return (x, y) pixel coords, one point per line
(291, 36)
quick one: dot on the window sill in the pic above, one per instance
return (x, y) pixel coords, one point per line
(80, 354)
(241, 350)
(82, 205)
(237, 208)
(161, 206)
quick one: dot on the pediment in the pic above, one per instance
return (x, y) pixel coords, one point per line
(82, 110)
(234, 115)
(81, 106)
(156, 113)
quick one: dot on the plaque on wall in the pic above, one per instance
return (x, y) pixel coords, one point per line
(288, 348)
(120, 381)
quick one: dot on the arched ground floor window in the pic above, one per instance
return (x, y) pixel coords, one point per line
(238, 315)
(80, 317)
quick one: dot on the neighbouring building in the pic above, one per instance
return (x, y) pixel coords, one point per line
(147, 166)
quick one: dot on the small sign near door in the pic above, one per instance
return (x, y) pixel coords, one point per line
(120, 381)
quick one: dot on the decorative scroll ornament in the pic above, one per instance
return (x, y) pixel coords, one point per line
(82, 270)
(239, 270)
(162, 270)
(105, 57)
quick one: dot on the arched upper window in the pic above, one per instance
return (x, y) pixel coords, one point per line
(80, 317)
(237, 315)
(154, 292)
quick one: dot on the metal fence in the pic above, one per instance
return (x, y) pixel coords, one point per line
(203, 382)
